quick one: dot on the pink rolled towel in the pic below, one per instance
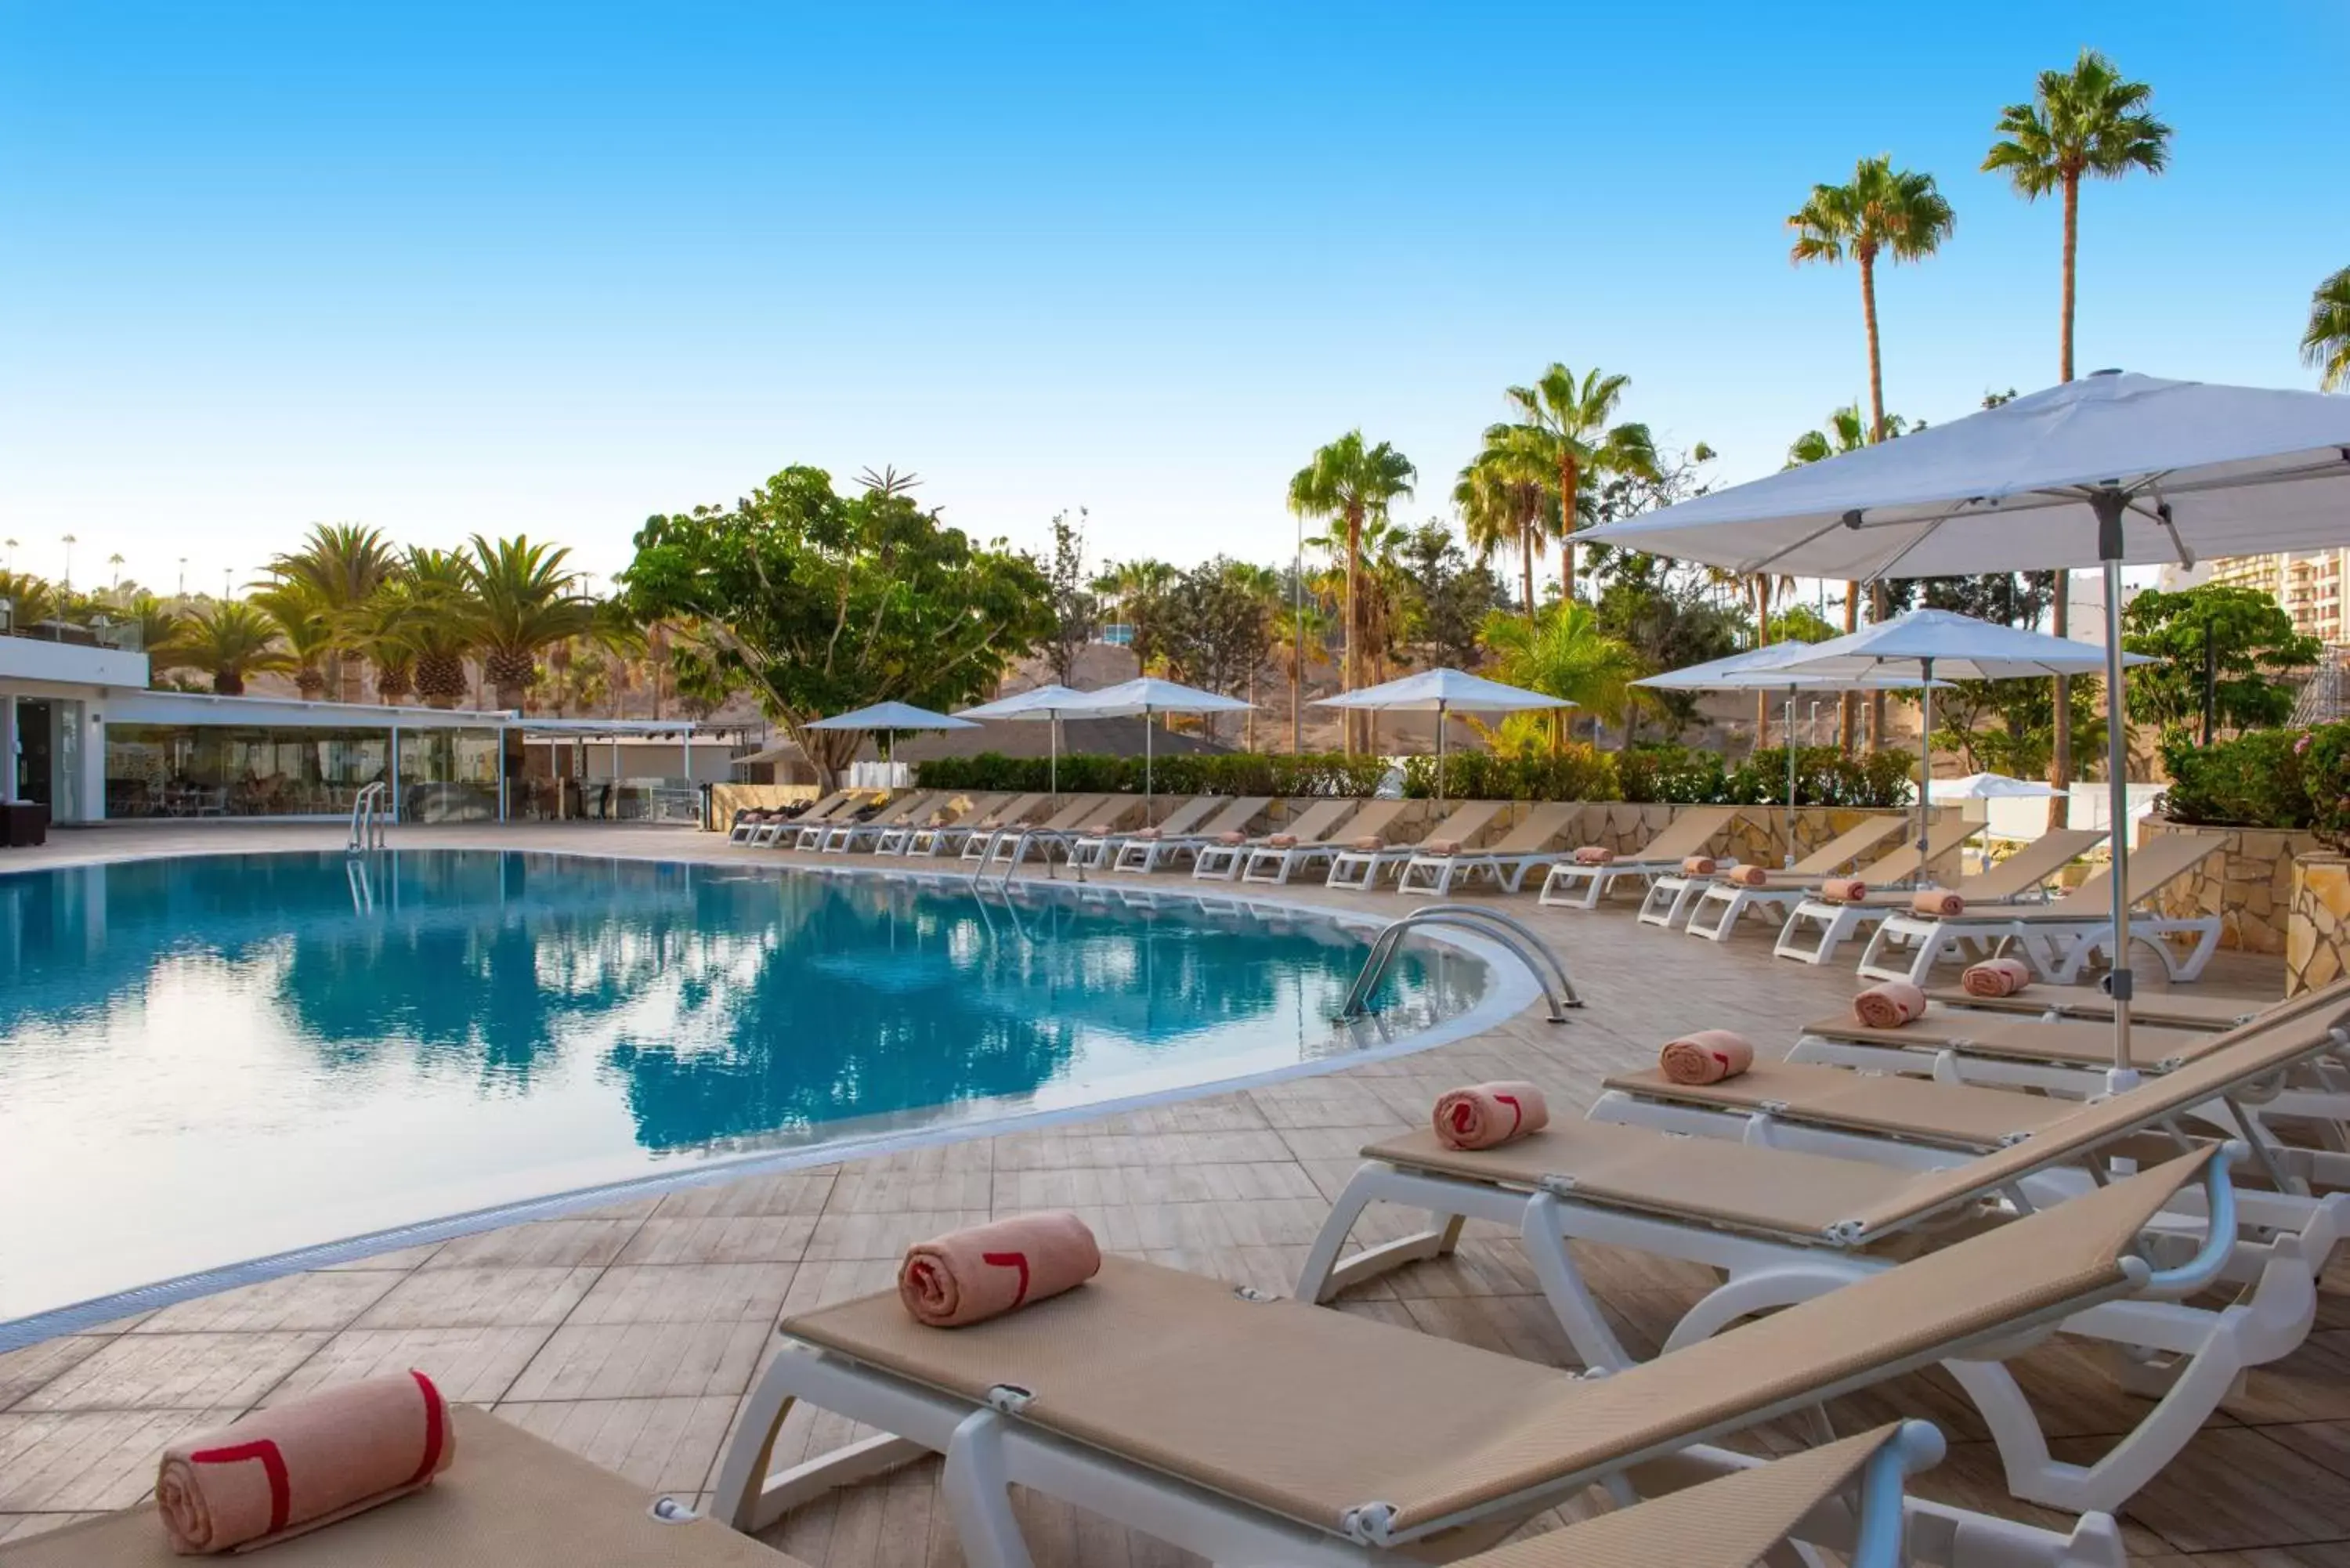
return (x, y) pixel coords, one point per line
(1890, 1005)
(1483, 1115)
(1231, 840)
(970, 1275)
(1593, 855)
(1746, 876)
(1995, 978)
(1148, 833)
(1282, 841)
(1698, 864)
(1707, 1057)
(1844, 889)
(1937, 903)
(1370, 844)
(1442, 846)
(305, 1463)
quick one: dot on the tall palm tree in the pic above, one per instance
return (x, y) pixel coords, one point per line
(2326, 344)
(523, 602)
(158, 623)
(1508, 496)
(230, 639)
(1562, 653)
(2088, 121)
(305, 625)
(1566, 423)
(342, 565)
(418, 629)
(31, 599)
(1351, 482)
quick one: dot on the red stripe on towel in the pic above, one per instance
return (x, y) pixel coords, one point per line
(272, 1465)
(1517, 1116)
(1011, 1261)
(435, 1435)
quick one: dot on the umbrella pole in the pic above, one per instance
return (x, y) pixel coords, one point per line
(2108, 502)
(1925, 761)
(1053, 744)
(1146, 764)
(1790, 860)
(1440, 754)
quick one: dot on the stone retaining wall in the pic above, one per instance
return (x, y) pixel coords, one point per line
(2248, 885)
(2317, 922)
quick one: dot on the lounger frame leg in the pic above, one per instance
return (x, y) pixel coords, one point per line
(978, 1495)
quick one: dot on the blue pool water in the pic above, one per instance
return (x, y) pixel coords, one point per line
(206, 1059)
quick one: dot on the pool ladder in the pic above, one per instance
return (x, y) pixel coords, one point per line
(367, 819)
(1509, 932)
(1044, 838)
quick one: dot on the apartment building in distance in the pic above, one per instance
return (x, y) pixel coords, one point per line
(2309, 583)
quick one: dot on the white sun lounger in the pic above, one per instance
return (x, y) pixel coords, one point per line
(1273, 863)
(1010, 846)
(1816, 927)
(1221, 860)
(1096, 851)
(1247, 1429)
(1571, 886)
(1363, 869)
(811, 830)
(951, 808)
(1719, 904)
(2060, 938)
(1143, 853)
(916, 808)
(1674, 896)
(772, 830)
(948, 838)
(1506, 860)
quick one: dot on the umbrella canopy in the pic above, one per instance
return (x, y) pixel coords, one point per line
(1442, 692)
(1992, 786)
(1146, 695)
(1931, 642)
(892, 716)
(1044, 703)
(2108, 469)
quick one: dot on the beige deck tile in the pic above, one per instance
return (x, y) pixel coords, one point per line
(175, 1372)
(461, 1298)
(841, 1236)
(89, 1460)
(471, 1366)
(685, 1292)
(665, 1445)
(820, 1282)
(400, 1259)
(22, 1371)
(543, 1244)
(894, 1192)
(737, 1239)
(327, 1300)
(642, 1361)
(2235, 1490)
(791, 1192)
(2312, 1383)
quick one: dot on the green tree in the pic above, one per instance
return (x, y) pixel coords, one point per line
(1216, 628)
(342, 565)
(307, 629)
(2247, 638)
(229, 641)
(1567, 428)
(818, 603)
(1077, 609)
(1669, 624)
(1451, 597)
(1565, 652)
(1880, 213)
(523, 602)
(1136, 588)
(2326, 343)
(157, 623)
(31, 599)
(1506, 498)
(1351, 483)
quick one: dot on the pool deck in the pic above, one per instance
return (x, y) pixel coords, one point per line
(631, 1333)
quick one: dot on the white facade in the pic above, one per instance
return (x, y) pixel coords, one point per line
(52, 697)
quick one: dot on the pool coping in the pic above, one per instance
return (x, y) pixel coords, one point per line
(1512, 991)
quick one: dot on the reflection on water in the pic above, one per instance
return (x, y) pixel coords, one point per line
(320, 1046)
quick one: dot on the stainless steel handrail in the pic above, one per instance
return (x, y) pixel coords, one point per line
(1047, 837)
(367, 818)
(1510, 933)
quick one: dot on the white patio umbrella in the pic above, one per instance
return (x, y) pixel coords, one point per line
(1992, 786)
(1044, 704)
(1147, 695)
(1442, 691)
(1752, 671)
(2110, 469)
(889, 718)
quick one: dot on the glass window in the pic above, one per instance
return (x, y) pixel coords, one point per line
(238, 769)
(448, 775)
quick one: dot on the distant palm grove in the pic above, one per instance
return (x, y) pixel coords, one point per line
(808, 600)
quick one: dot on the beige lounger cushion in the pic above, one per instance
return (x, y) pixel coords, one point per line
(2025, 1039)
(1961, 1114)
(1308, 1412)
(510, 1500)
(2168, 1009)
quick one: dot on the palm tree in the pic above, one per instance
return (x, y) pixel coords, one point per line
(302, 622)
(31, 599)
(1565, 425)
(1882, 212)
(1135, 586)
(1351, 483)
(230, 639)
(1298, 634)
(1562, 653)
(342, 565)
(1506, 496)
(523, 602)
(158, 623)
(2326, 344)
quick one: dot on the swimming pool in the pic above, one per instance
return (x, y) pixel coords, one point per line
(210, 1058)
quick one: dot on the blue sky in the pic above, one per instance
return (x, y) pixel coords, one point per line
(548, 269)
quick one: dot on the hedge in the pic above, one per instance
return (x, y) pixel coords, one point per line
(2290, 779)
(1229, 772)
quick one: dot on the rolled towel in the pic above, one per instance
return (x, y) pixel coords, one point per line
(1370, 844)
(1442, 846)
(971, 1275)
(1698, 864)
(1937, 903)
(1746, 876)
(1282, 841)
(1844, 889)
(1102, 829)
(1483, 1115)
(305, 1463)
(1890, 1005)
(1593, 855)
(1996, 976)
(1708, 1057)
(1148, 833)
(1231, 840)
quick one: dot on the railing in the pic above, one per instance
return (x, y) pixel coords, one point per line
(1045, 838)
(367, 819)
(1510, 933)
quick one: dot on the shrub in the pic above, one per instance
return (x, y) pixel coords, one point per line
(1683, 775)
(1823, 776)
(1577, 772)
(2251, 781)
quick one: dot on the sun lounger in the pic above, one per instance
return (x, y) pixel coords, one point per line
(916, 808)
(950, 807)
(1818, 927)
(1274, 864)
(1719, 906)
(950, 838)
(779, 823)
(2169, 1009)
(808, 832)
(1221, 860)
(1143, 854)
(979, 845)
(1252, 1429)
(1096, 851)
(750, 819)
(1672, 897)
(511, 1500)
(1363, 868)
(1506, 860)
(2059, 938)
(1788, 1222)
(1571, 886)
(1010, 846)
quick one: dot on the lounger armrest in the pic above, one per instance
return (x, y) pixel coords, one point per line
(1918, 1446)
(2220, 1232)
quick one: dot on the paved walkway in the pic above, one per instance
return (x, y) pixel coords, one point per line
(630, 1334)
